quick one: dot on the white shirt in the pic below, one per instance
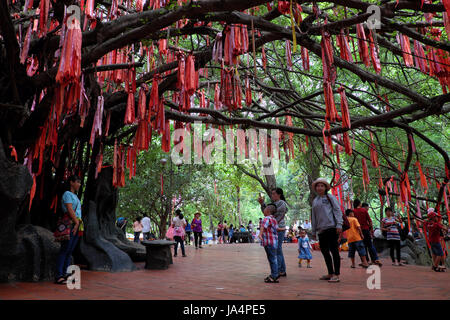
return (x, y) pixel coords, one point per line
(306, 226)
(179, 222)
(145, 224)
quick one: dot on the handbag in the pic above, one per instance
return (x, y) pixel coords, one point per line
(345, 222)
(63, 227)
(170, 232)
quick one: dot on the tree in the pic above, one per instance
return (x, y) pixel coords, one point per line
(72, 89)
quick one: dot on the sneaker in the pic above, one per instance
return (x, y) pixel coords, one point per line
(299, 265)
(308, 266)
(196, 247)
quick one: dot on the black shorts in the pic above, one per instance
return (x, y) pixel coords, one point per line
(225, 232)
(219, 233)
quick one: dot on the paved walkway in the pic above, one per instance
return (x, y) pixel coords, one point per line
(236, 271)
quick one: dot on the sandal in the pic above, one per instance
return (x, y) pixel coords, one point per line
(269, 279)
(378, 263)
(308, 266)
(325, 277)
(436, 269)
(282, 274)
(443, 269)
(334, 279)
(353, 267)
(61, 281)
(365, 267)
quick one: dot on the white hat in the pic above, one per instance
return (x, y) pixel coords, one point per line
(321, 180)
(430, 210)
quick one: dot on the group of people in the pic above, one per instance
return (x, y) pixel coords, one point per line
(327, 222)
(183, 229)
(225, 233)
(142, 225)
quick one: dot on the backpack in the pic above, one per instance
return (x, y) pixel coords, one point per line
(345, 222)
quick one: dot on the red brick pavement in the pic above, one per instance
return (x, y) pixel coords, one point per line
(236, 271)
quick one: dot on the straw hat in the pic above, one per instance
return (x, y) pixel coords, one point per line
(321, 180)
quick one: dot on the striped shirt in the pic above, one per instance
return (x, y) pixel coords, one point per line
(269, 231)
(392, 225)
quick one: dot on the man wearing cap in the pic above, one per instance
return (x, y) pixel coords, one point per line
(326, 221)
(434, 235)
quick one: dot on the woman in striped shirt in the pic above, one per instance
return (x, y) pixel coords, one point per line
(390, 224)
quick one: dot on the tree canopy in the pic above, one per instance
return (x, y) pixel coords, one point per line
(366, 105)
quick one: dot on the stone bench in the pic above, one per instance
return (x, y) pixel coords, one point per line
(158, 254)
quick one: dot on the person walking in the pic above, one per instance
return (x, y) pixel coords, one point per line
(390, 225)
(250, 230)
(355, 240)
(278, 199)
(146, 227)
(71, 205)
(230, 236)
(219, 233)
(196, 226)
(137, 228)
(225, 232)
(304, 249)
(178, 224)
(434, 229)
(326, 221)
(364, 220)
(188, 231)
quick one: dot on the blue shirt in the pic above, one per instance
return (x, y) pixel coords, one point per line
(69, 197)
(188, 227)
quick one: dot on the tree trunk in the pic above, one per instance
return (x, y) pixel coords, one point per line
(104, 246)
(238, 191)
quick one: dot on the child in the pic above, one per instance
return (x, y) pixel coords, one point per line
(269, 240)
(304, 249)
(434, 234)
(354, 239)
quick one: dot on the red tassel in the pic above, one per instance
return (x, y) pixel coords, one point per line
(403, 40)
(129, 113)
(423, 180)
(13, 152)
(347, 145)
(374, 54)
(330, 108)
(305, 59)
(342, 42)
(373, 155)
(44, 7)
(32, 192)
(329, 71)
(362, 44)
(263, 58)
(344, 109)
(69, 69)
(248, 92)
(191, 81)
(366, 178)
(165, 139)
(288, 55)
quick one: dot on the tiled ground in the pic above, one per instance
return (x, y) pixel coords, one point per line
(236, 271)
